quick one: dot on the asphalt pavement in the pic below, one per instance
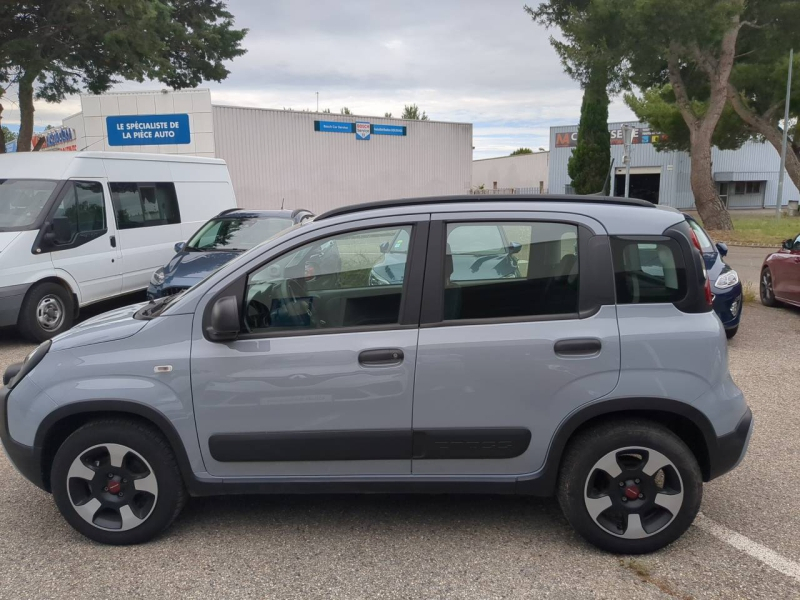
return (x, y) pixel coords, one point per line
(745, 545)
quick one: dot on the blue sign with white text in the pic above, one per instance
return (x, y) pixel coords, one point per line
(334, 126)
(148, 130)
(389, 129)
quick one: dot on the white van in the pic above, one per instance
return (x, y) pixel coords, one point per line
(79, 227)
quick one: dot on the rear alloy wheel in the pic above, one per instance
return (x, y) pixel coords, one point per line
(124, 491)
(766, 288)
(630, 487)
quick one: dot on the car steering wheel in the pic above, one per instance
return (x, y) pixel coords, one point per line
(292, 293)
(257, 316)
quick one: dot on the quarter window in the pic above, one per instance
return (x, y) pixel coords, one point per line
(81, 212)
(145, 204)
(648, 271)
(515, 269)
(348, 280)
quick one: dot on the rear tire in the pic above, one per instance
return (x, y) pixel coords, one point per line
(730, 333)
(47, 310)
(613, 461)
(117, 482)
(766, 289)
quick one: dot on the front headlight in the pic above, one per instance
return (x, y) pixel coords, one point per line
(158, 277)
(15, 373)
(375, 279)
(727, 279)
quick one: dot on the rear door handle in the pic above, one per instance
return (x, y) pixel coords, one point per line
(578, 347)
(383, 357)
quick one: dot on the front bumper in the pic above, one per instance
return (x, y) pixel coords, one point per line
(731, 448)
(10, 302)
(26, 459)
(728, 305)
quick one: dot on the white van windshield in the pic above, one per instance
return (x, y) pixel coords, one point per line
(22, 200)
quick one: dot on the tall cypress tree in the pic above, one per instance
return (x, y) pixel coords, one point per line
(589, 164)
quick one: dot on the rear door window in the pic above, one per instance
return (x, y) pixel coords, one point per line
(648, 271)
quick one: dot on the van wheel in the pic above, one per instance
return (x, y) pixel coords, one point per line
(630, 487)
(117, 482)
(47, 310)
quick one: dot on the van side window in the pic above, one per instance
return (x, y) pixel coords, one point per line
(81, 212)
(648, 271)
(512, 269)
(145, 204)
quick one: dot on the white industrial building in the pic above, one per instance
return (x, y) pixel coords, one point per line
(280, 157)
(521, 174)
(746, 178)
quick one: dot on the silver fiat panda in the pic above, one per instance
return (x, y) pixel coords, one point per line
(545, 345)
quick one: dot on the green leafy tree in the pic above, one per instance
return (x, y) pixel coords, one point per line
(412, 111)
(591, 53)
(588, 166)
(326, 111)
(520, 151)
(6, 136)
(387, 115)
(53, 48)
(345, 111)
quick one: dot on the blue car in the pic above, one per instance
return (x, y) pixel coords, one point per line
(725, 284)
(219, 241)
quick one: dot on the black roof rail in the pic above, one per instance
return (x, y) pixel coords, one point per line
(228, 211)
(343, 210)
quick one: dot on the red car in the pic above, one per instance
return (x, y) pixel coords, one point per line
(780, 275)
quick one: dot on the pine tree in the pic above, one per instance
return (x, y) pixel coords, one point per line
(589, 164)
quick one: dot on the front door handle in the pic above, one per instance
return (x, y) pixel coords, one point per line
(113, 240)
(384, 357)
(578, 347)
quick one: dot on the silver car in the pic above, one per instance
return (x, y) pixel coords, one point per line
(546, 345)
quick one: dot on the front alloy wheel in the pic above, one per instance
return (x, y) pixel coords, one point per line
(117, 481)
(112, 487)
(766, 288)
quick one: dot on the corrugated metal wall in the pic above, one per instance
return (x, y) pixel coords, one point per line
(276, 156)
(752, 162)
(523, 171)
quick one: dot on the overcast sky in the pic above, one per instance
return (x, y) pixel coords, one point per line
(478, 61)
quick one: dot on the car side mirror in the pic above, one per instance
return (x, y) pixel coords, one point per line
(788, 244)
(179, 247)
(514, 248)
(48, 236)
(224, 324)
(722, 248)
(384, 247)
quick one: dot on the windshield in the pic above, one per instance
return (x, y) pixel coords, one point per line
(236, 233)
(22, 200)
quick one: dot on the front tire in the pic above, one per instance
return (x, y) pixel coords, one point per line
(766, 288)
(730, 333)
(117, 482)
(630, 486)
(47, 310)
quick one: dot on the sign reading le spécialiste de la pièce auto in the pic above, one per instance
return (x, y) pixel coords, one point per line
(148, 130)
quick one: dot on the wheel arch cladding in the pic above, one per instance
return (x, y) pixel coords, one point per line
(685, 421)
(64, 421)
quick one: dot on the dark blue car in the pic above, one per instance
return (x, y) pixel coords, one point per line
(725, 284)
(219, 241)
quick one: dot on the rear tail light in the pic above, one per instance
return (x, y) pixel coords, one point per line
(696, 244)
(709, 295)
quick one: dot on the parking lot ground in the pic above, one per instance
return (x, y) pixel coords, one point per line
(747, 261)
(746, 545)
